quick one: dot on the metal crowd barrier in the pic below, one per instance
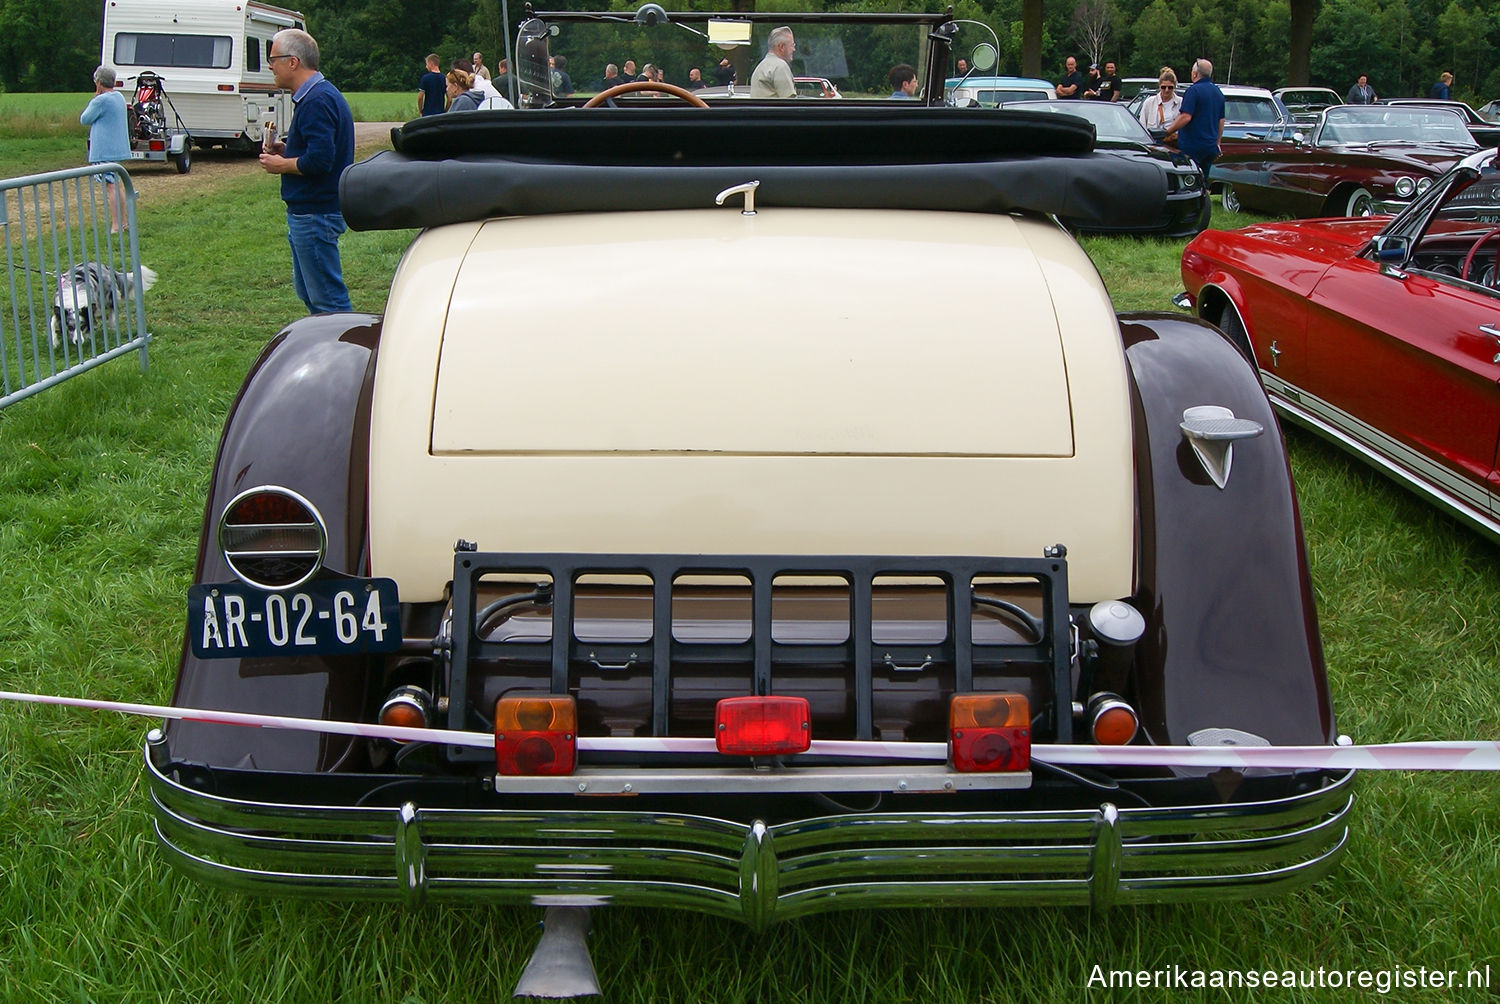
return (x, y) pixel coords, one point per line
(50, 224)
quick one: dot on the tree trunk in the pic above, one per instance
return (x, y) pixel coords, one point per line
(1299, 63)
(1031, 38)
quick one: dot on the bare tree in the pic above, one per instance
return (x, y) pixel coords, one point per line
(1090, 26)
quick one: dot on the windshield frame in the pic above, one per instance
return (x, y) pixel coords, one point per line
(938, 31)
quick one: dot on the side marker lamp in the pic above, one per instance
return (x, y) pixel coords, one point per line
(536, 735)
(989, 732)
(1112, 722)
(407, 707)
(762, 726)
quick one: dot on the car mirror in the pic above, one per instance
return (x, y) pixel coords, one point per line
(729, 34)
(1391, 249)
(1299, 138)
(984, 57)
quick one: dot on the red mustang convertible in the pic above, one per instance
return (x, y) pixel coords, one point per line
(1381, 334)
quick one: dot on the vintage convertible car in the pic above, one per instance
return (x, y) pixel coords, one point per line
(1117, 132)
(1358, 160)
(1485, 132)
(722, 583)
(1383, 335)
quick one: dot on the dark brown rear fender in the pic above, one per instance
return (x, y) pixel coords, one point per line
(302, 421)
(1231, 630)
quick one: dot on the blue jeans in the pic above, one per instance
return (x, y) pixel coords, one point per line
(316, 273)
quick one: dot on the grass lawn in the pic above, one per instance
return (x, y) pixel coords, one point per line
(20, 114)
(102, 481)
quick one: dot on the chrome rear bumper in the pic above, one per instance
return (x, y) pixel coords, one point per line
(754, 872)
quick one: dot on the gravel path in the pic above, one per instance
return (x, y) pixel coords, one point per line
(211, 168)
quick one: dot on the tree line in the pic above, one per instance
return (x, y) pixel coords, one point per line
(53, 45)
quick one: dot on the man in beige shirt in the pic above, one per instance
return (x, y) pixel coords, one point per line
(773, 77)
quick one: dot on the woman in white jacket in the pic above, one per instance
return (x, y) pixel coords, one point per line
(1160, 109)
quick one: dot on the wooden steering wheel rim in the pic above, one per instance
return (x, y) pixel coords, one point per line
(1473, 250)
(645, 85)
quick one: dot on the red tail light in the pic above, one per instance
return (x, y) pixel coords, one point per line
(989, 732)
(272, 538)
(536, 735)
(762, 726)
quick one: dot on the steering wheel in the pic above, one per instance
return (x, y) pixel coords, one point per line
(634, 86)
(1469, 258)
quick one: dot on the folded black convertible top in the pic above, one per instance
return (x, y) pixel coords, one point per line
(475, 165)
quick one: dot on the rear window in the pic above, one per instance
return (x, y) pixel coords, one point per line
(1250, 110)
(990, 96)
(151, 49)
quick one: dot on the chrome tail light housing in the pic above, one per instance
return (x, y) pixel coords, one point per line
(272, 538)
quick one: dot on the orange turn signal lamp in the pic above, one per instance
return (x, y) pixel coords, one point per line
(536, 735)
(408, 707)
(1112, 722)
(989, 732)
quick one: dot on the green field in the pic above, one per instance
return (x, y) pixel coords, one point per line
(43, 115)
(102, 482)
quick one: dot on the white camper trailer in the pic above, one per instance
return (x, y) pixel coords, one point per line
(211, 57)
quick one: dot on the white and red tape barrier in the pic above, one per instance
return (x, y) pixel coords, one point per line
(1446, 755)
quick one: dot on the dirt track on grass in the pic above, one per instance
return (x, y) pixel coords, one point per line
(213, 168)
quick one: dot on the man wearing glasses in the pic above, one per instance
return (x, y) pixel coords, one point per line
(773, 77)
(1160, 109)
(318, 147)
(1200, 122)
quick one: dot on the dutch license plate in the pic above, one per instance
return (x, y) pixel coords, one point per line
(323, 617)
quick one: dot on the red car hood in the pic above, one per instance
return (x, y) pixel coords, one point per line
(1298, 251)
(1314, 237)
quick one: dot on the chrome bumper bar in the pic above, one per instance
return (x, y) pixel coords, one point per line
(755, 872)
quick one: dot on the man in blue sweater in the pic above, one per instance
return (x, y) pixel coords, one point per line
(318, 147)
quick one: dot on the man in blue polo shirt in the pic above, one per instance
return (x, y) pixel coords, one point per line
(1200, 124)
(318, 147)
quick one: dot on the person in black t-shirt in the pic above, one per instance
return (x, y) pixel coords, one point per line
(1091, 83)
(1110, 85)
(1071, 85)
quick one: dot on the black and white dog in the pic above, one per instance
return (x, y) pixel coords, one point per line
(88, 299)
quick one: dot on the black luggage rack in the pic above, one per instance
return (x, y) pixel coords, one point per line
(958, 647)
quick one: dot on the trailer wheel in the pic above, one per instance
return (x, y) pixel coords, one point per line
(184, 161)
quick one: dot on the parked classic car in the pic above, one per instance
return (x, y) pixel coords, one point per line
(815, 87)
(1117, 132)
(987, 92)
(728, 584)
(1381, 335)
(807, 87)
(1490, 111)
(1131, 87)
(1485, 132)
(1305, 104)
(1358, 160)
(1249, 112)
